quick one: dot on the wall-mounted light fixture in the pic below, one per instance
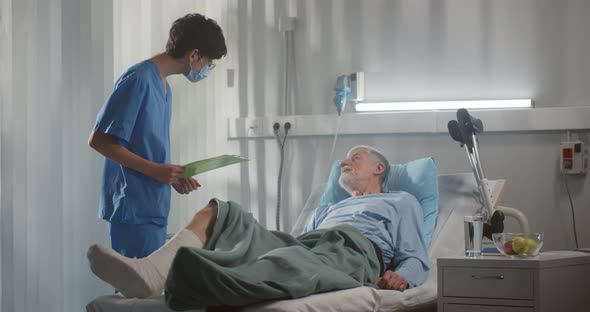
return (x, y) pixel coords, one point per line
(442, 105)
(370, 93)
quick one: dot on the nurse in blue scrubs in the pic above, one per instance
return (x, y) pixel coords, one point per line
(132, 131)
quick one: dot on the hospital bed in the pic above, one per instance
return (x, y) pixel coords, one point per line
(458, 196)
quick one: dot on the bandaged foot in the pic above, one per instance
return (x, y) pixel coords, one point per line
(139, 278)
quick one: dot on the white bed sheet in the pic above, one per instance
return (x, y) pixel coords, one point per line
(457, 198)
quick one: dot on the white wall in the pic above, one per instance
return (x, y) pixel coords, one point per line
(453, 49)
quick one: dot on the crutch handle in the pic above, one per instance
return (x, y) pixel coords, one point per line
(468, 126)
(454, 131)
(474, 125)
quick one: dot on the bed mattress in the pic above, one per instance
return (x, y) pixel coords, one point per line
(422, 298)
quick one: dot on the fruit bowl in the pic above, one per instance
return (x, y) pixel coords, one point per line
(518, 244)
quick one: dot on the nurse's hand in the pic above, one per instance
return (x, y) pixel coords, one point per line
(185, 186)
(391, 280)
(166, 173)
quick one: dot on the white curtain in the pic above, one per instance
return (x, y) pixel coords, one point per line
(58, 62)
(56, 69)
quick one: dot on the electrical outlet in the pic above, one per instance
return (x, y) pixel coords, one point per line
(276, 126)
(257, 127)
(263, 127)
(292, 123)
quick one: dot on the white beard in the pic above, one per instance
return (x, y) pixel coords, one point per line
(346, 180)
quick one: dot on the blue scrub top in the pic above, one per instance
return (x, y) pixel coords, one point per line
(138, 113)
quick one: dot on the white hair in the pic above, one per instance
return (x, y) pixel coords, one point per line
(376, 154)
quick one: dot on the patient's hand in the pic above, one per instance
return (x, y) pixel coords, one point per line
(391, 280)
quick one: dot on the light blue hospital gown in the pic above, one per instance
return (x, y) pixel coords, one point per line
(393, 221)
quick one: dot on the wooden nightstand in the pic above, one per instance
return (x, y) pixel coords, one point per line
(554, 281)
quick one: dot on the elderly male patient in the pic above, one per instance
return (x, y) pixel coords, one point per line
(224, 256)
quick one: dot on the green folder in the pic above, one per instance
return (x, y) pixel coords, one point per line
(203, 165)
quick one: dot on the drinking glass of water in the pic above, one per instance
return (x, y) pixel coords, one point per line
(473, 235)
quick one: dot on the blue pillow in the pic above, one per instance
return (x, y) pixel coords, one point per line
(418, 177)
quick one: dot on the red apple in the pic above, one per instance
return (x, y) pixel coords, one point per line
(508, 248)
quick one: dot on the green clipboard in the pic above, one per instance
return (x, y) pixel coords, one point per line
(204, 165)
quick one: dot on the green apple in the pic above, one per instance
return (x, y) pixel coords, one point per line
(519, 245)
(531, 245)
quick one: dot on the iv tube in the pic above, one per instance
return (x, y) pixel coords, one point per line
(334, 145)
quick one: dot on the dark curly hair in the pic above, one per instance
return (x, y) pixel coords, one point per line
(195, 31)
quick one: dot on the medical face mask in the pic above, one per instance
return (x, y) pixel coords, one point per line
(194, 76)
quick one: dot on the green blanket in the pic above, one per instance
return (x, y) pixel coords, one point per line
(243, 263)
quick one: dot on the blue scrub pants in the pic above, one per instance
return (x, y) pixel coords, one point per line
(137, 240)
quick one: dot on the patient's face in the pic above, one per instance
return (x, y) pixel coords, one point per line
(356, 170)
